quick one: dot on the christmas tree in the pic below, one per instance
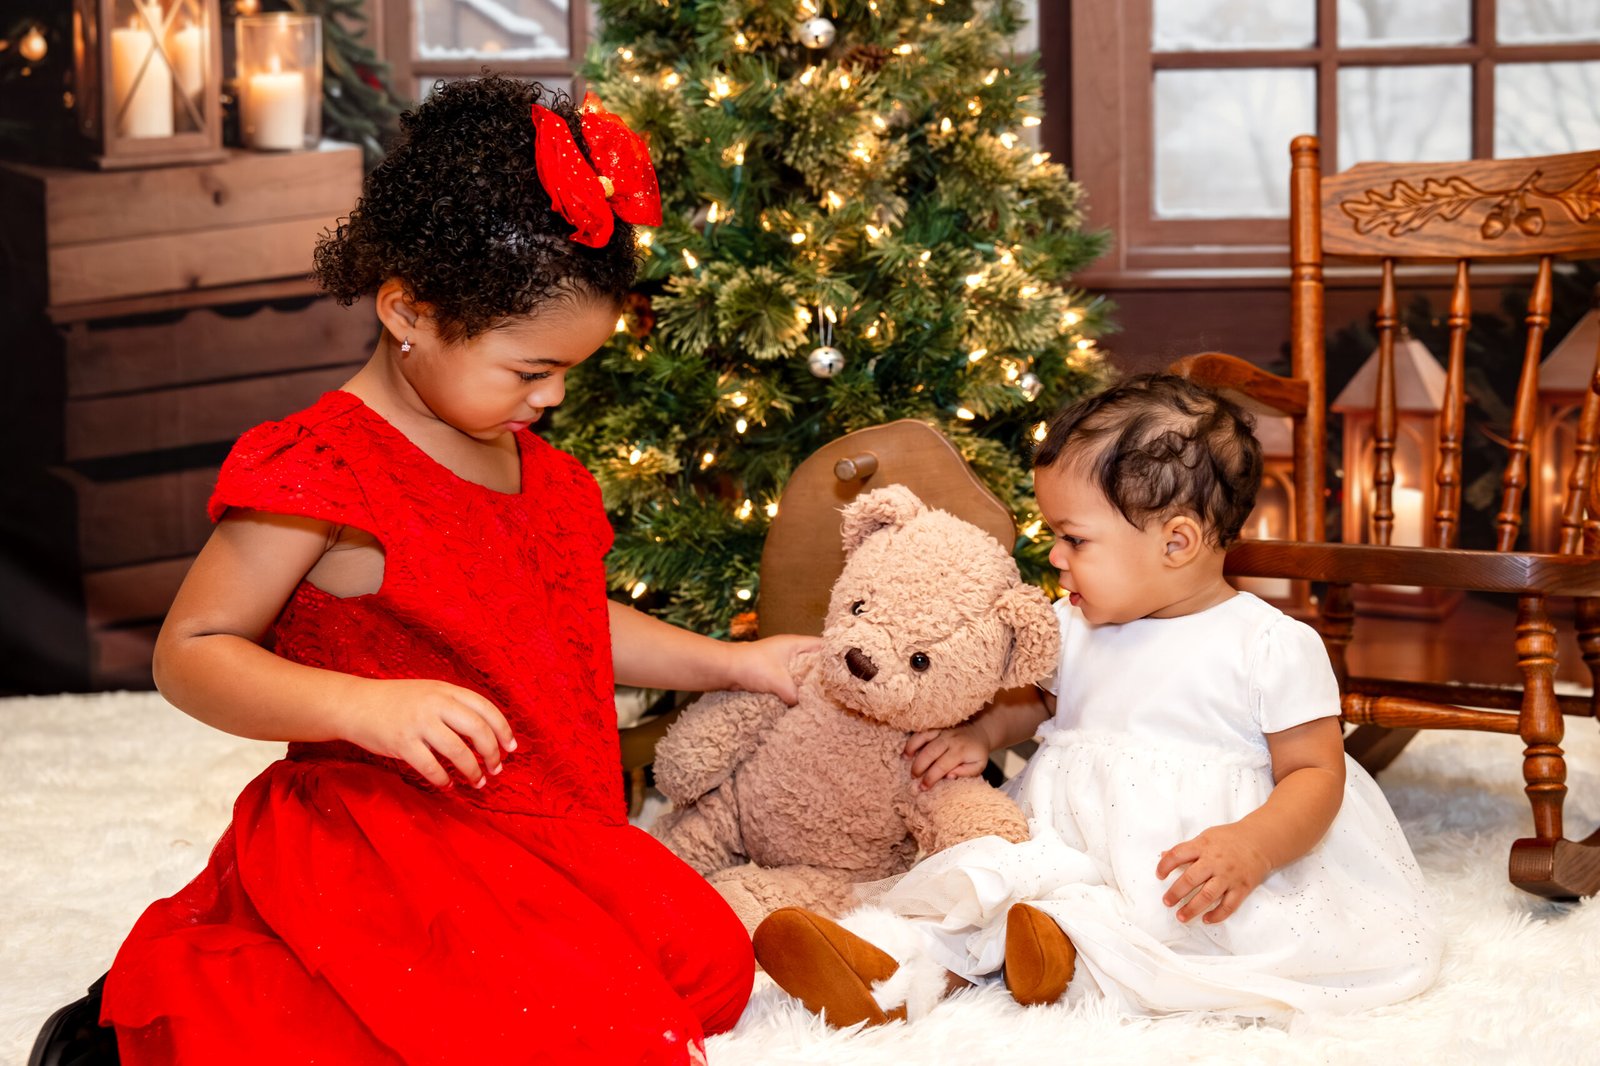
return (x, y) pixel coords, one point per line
(855, 230)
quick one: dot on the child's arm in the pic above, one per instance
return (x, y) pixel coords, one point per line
(650, 653)
(961, 751)
(209, 662)
(1227, 862)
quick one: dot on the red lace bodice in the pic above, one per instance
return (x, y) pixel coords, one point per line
(502, 593)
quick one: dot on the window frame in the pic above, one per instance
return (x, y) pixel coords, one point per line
(1112, 69)
(395, 27)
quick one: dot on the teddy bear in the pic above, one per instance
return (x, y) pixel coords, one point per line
(784, 806)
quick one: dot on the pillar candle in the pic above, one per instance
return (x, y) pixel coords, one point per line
(275, 109)
(145, 107)
(187, 50)
(1408, 517)
(1268, 588)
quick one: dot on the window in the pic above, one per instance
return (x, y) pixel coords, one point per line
(1182, 110)
(431, 40)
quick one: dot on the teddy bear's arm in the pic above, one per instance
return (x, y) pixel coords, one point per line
(961, 808)
(712, 736)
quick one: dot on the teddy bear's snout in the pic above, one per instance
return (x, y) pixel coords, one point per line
(860, 664)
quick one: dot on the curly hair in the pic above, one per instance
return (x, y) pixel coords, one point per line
(1158, 444)
(456, 212)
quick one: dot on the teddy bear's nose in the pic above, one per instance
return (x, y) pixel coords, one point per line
(860, 665)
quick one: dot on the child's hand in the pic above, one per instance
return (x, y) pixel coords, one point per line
(1225, 864)
(422, 722)
(766, 665)
(940, 753)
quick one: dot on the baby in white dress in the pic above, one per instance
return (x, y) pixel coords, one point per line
(1200, 839)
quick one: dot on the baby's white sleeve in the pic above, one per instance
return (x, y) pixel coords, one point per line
(1291, 682)
(1064, 617)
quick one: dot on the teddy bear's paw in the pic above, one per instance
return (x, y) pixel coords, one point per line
(829, 969)
(1040, 958)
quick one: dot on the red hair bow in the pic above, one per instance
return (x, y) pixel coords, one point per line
(620, 183)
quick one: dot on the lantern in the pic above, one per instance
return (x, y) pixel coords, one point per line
(1273, 516)
(279, 81)
(148, 78)
(1419, 389)
(1564, 379)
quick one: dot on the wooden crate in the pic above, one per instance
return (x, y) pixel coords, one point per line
(111, 236)
(181, 313)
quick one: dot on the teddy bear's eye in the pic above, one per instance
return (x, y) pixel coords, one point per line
(920, 661)
(858, 606)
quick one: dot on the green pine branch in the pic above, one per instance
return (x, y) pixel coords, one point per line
(880, 194)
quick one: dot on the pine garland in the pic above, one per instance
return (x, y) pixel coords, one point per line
(877, 190)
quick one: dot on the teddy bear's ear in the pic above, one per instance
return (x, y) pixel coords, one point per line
(1035, 635)
(889, 507)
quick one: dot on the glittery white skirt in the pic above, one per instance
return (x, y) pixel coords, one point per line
(1346, 927)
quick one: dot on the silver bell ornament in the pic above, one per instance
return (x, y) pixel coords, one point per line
(816, 33)
(826, 361)
(1030, 385)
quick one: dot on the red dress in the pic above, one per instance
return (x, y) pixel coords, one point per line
(352, 913)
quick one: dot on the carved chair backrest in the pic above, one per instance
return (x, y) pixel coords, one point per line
(803, 555)
(1540, 208)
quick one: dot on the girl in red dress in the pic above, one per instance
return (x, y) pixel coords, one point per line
(407, 585)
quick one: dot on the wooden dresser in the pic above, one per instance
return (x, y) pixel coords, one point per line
(155, 315)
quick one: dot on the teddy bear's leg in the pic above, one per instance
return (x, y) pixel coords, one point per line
(704, 835)
(756, 891)
(1040, 957)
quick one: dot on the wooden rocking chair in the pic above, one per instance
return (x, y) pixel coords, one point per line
(1482, 210)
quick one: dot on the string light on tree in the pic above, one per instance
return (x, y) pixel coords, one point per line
(908, 125)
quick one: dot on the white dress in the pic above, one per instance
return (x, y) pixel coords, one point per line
(1158, 735)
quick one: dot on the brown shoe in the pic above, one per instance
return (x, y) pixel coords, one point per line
(1039, 957)
(824, 966)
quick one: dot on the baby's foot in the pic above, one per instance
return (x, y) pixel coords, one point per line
(1039, 956)
(824, 966)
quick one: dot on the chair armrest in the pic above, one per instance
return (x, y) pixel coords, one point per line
(1261, 391)
(1520, 573)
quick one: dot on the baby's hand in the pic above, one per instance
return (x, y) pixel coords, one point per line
(767, 665)
(940, 753)
(1224, 866)
(422, 722)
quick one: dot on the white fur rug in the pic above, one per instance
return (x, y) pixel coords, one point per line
(108, 802)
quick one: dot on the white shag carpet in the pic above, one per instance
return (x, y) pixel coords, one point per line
(108, 802)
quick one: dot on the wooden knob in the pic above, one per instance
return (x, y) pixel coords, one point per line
(860, 466)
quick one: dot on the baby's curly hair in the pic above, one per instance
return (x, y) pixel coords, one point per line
(1158, 444)
(457, 213)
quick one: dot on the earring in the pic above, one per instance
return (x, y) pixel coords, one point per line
(405, 345)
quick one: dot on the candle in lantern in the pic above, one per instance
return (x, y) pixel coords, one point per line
(144, 104)
(186, 49)
(274, 108)
(1407, 531)
(1408, 504)
(1268, 588)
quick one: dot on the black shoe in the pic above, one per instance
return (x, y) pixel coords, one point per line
(73, 1035)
